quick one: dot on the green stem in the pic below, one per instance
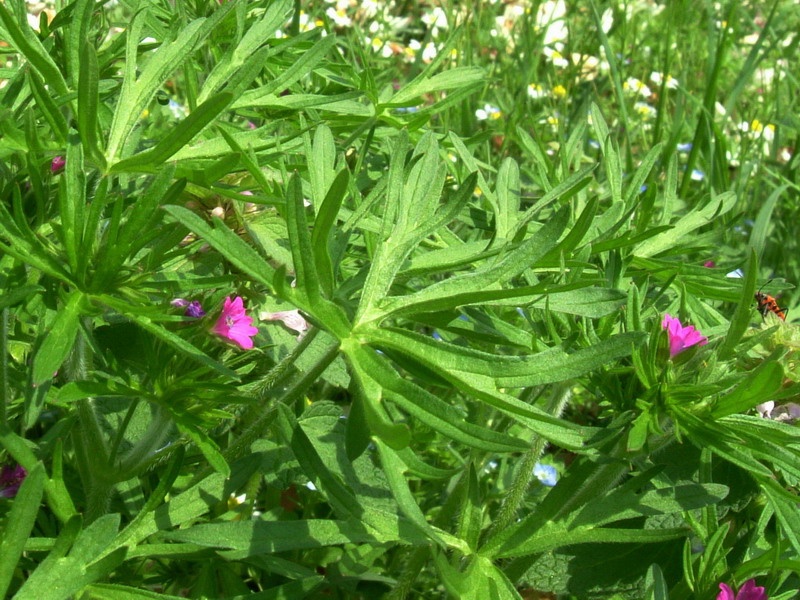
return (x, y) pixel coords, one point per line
(112, 455)
(142, 452)
(89, 443)
(274, 376)
(256, 429)
(519, 487)
(3, 364)
(419, 556)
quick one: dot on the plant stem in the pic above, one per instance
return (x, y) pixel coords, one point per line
(112, 455)
(142, 452)
(519, 487)
(3, 364)
(256, 429)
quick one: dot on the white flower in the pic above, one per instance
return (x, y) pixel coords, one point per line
(637, 86)
(657, 78)
(550, 17)
(339, 17)
(369, 8)
(378, 45)
(178, 110)
(556, 57)
(291, 318)
(765, 409)
(645, 110)
(436, 19)
(607, 20)
(536, 91)
(429, 52)
(488, 111)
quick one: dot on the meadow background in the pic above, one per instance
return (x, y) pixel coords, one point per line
(393, 299)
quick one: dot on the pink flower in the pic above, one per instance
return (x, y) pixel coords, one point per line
(749, 591)
(710, 264)
(680, 337)
(57, 164)
(234, 324)
(10, 480)
(291, 318)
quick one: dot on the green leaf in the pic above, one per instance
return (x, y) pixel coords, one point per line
(137, 93)
(50, 111)
(342, 499)
(78, 37)
(298, 69)
(758, 237)
(206, 445)
(13, 296)
(623, 503)
(394, 468)
(230, 245)
(257, 35)
(741, 317)
(556, 535)
(508, 190)
(592, 302)
(785, 511)
(321, 159)
(698, 217)
(550, 366)
(324, 223)
(305, 268)
(59, 341)
(759, 386)
(468, 288)
(72, 201)
(181, 135)
(719, 440)
(428, 408)
(166, 335)
(88, 98)
(253, 538)
(451, 79)
(27, 42)
(396, 435)
(19, 524)
(642, 172)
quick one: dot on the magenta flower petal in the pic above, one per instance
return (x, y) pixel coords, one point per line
(726, 592)
(57, 164)
(680, 337)
(749, 591)
(10, 480)
(234, 324)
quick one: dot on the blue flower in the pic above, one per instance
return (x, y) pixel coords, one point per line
(684, 147)
(546, 474)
